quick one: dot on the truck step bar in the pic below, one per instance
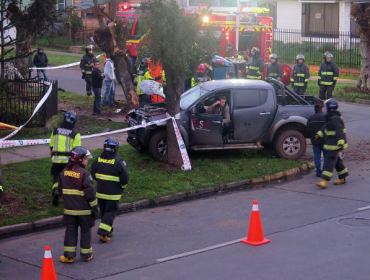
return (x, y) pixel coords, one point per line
(226, 147)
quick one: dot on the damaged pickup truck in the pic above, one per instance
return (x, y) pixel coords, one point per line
(262, 114)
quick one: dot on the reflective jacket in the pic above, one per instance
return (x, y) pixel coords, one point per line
(274, 70)
(76, 187)
(87, 64)
(255, 67)
(62, 141)
(111, 173)
(300, 75)
(139, 78)
(199, 80)
(328, 73)
(334, 132)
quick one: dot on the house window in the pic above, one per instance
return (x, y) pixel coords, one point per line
(61, 5)
(273, 11)
(318, 18)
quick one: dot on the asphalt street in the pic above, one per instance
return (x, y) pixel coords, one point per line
(314, 233)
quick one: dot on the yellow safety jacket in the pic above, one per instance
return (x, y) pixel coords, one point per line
(62, 142)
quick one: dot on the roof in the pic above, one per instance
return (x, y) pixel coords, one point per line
(235, 83)
(89, 4)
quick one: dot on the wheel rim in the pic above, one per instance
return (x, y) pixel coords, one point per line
(291, 145)
(162, 147)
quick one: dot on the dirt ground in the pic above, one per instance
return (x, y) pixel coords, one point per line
(357, 90)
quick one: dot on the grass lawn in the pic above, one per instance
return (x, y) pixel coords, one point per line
(27, 185)
(341, 76)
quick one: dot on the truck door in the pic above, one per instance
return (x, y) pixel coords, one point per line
(253, 111)
(205, 129)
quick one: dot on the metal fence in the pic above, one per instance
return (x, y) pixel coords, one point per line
(19, 98)
(344, 46)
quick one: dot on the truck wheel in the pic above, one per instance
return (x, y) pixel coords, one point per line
(158, 145)
(290, 144)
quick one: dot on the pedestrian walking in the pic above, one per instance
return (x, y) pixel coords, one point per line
(97, 83)
(40, 60)
(109, 82)
(255, 65)
(327, 77)
(335, 141)
(300, 75)
(314, 125)
(63, 139)
(86, 66)
(80, 205)
(111, 174)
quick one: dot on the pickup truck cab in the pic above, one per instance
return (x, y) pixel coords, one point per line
(261, 114)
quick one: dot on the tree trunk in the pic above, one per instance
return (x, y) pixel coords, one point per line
(173, 93)
(363, 80)
(22, 63)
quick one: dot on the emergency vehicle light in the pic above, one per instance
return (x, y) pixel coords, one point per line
(205, 19)
(227, 36)
(222, 29)
(127, 6)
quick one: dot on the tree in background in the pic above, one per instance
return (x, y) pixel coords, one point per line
(176, 42)
(76, 24)
(360, 12)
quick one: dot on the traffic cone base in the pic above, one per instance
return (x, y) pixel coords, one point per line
(264, 241)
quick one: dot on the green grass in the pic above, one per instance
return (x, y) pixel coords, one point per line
(28, 184)
(344, 76)
(74, 98)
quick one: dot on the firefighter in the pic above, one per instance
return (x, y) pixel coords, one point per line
(335, 140)
(86, 66)
(274, 69)
(255, 65)
(200, 76)
(143, 68)
(235, 54)
(111, 174)
(63, 139)
(328, 75)
(300, 75)
(80, 205)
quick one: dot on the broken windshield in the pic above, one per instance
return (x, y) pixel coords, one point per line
(192, 95)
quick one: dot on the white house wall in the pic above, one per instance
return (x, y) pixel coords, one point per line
(289, 14)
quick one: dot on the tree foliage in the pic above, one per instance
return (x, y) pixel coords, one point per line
(176, 41)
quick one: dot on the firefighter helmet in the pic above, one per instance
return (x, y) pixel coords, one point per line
(201, 68)
(331, 104)
(328, 55)
(143, 64)
(256, 50)
(79, 153)
(273, 56)
(70, 117)
(111, 145)
(300, 56)
(89, 47)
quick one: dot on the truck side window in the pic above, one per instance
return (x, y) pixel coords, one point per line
(131, 21)
(249, 98)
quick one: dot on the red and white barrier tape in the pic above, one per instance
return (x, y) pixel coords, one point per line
(60, 66)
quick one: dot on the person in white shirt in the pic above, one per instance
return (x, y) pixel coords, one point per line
(109, 82)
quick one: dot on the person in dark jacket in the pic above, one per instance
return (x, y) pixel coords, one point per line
(41, 61)
(314, 124)
(200, 76)
(300, 75)
(327, 78)
(80, 205)
(86, 66)
(97, 83)
(111, 174)
(255, 65)
(274, 69)
(335, 141)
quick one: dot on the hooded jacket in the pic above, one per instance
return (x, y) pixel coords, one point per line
(109, 70)
(40, 59)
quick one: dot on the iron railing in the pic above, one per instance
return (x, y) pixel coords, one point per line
(19, 98)
(343, 45)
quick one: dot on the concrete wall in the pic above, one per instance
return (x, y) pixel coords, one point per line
(345, 16)
(289, 14)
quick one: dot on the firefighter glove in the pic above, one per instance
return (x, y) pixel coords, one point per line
(56, 199)
(95, 212)
(317, 137)
(83, 76)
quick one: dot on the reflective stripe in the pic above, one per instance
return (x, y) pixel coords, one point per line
(93, 203)
(73, 192)
(326, 83)
(319, 77)
(55, 185)
(291, 79)
(327, 173)
(105, 227)
(108, 197)
(345, 146)
(344, 171)
(331, 147)
(344, 130)
(107, 177)
(306, 80)
(124, 186)
(254, 68)
(254, 77)
(320, 133)
(1, 188)
(335, 78)
(340, 142)
(301, 75)
(69, 249)
(327, 73)
(330, 132)
(83, 70)
(86, 251)
(273, 74)
(299, 84)
(88, 72)
(77, 212)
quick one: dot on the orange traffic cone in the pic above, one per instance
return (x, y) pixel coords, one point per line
(48, 270)
(255, 233)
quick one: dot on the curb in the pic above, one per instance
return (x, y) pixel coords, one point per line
(57, 221)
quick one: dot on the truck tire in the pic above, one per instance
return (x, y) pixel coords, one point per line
(290, 144)
(158, 145)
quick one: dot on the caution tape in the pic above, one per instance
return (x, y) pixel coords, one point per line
(60, 66)
(42, 101)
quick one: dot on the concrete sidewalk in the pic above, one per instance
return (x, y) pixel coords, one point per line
(20, 154)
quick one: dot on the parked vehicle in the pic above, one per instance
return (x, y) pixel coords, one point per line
(262, 115)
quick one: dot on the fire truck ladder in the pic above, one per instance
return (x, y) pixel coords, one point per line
(268, 44)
